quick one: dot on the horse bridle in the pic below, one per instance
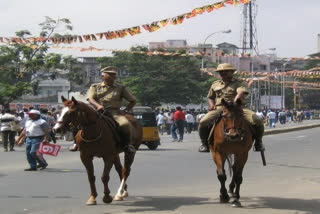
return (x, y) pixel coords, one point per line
(81, 128)
(227, 135)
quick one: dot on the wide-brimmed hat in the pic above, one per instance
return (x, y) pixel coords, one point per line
(110, 70)
(34, 112)
(225, 67)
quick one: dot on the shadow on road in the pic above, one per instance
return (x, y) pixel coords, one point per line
(305, 205)
(154, 203)
(64, 170)
(162, 150)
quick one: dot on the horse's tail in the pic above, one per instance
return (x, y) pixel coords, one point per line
(229, 160)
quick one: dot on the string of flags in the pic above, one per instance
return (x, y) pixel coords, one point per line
(132, 31)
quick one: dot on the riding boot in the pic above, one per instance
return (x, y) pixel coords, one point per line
(204, 146)
(258, 145)
(126, 145)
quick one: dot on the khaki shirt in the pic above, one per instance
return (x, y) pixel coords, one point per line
(228, 92)
(110, 96)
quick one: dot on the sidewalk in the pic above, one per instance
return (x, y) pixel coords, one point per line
(289, 127)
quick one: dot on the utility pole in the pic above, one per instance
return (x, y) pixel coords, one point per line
(249, 39)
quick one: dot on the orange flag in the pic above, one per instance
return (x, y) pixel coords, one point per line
(164, 22)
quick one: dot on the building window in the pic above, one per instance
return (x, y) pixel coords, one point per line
(263, 67)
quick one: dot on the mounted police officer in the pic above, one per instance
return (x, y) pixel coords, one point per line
(230, 89)
(109, 95)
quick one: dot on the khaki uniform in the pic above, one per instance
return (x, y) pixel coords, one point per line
(220, 90)
(111, 98)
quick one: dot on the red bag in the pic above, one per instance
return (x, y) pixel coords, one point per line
(49, 149)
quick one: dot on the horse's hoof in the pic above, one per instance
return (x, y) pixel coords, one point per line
(91, 202)
(107, 199)
(125, 194)
(236, 203)
(224, 199)
(118, 198)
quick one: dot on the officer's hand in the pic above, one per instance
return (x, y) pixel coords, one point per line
(211, 108)
(100, 108)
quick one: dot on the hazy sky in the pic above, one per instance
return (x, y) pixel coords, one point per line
(290, 26)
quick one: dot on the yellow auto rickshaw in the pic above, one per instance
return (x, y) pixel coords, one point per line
(147, 119)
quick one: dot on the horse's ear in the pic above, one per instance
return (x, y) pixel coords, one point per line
(74, 100)
(63, 99)
(238, 102)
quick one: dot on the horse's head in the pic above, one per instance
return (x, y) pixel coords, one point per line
(232, 115)
(74, 115)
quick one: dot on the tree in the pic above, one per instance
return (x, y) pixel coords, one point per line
(155, 79)
(19, 61)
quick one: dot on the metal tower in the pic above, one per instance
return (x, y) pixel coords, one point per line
(249, 37)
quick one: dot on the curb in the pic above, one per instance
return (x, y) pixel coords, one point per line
(290, 129)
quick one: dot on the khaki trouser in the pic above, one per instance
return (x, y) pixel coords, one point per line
(208, 120)
(125, 129)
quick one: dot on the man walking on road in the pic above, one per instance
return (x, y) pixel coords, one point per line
(8, 134)
(36, 131)
(178, 123)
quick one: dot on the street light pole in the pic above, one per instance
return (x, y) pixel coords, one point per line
(204, 44)
(284, 83)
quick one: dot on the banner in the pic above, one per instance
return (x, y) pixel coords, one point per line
(132, 31)
(49, 149)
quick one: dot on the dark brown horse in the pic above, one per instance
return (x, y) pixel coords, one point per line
(95, 138)
(232, 135)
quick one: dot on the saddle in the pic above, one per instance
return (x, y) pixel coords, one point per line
(112, 123)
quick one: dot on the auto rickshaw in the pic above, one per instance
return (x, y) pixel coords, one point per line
(147, 119)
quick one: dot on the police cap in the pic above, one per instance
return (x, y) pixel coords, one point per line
(110, 70)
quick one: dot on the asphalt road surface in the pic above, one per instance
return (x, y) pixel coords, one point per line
(175, 178)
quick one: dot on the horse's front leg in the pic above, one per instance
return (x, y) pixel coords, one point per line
(108, 163)
(87, 162)
(220, 159)
(239, 162)
(128, 160)
(118, 166)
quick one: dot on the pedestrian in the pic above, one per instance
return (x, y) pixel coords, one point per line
(169, 121)
(190, 121)
(8, 126)
(161, 122)
(36, 131)
(178, 124)
(272, 118)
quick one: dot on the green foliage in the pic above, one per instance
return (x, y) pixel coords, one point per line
(156, 79)
(312, 64)
(18, 62)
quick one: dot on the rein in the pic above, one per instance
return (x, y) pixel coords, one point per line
(81, 135)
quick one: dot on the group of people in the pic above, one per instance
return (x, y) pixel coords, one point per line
(33, 127)
(109, 95)
(271, 117)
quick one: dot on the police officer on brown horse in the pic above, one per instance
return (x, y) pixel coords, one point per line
(109, 95)
(230, 89)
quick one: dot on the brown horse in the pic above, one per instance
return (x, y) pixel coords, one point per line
(232, 135)
(95, 138)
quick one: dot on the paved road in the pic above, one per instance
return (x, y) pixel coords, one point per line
(173, 179)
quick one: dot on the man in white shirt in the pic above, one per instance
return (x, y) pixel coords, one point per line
(161, 122)
(36, 130)
(272, 118)
(190, 121)
(8, 134)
